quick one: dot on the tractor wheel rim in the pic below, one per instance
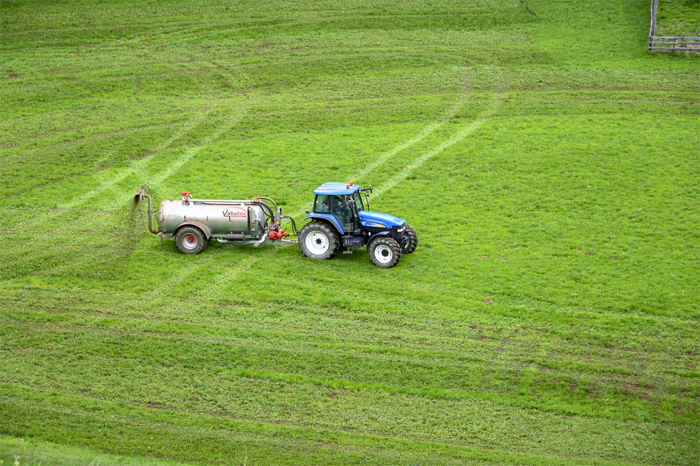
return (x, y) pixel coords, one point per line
(383, 254)
(190, 241)
(317, 242)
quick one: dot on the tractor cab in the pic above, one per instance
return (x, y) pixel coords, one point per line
(339, 219)
(339, 203)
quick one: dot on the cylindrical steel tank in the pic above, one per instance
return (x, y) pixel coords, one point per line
(221, 219)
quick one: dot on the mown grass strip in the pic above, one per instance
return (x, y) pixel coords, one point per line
(32, 452)
(367, 367)
(118, 427)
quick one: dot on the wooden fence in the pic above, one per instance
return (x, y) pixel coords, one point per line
(669, 43)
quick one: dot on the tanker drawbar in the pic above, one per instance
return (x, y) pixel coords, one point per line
(193, 222)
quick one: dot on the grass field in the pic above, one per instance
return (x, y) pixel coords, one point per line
(678, 18)
(549, 163)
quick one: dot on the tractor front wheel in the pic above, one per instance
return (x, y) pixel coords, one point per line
(412, 242)
(190, 240)
(385, 252)
(318, 240)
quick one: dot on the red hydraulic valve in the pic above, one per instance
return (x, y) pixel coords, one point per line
(278, 234)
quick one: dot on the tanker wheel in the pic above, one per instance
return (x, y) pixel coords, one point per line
(412, 242)
(385, 252)
(190, 240)
(318, 240)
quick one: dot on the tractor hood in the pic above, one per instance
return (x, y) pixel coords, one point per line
(375, 219)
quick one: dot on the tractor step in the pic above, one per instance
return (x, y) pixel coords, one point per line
(347, 251)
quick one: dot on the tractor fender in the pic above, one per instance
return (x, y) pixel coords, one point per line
(327, 218)
(377, 235)
(194, 223)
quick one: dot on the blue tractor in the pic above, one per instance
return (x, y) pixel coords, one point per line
(339, 219)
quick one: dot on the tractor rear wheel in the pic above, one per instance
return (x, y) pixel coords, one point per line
(318, 240)
(385, 252)
(412, 242)
(190, 240)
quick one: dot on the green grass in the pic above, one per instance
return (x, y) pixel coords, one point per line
(678, 18)
(548, 162)
(31, 452)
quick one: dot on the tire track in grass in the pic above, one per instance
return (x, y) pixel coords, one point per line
(401, 176)
(423, 158)
(221, 280)
(187, 156)
(138, 165)
(31, 149)
(233, 272)
(211, 290)
(500, 84)
(163, 291)
(517, 364)
(425, 132)
(158, 180)
(109, 181)
(89, 218)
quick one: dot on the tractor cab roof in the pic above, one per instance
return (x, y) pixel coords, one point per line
(336, 189)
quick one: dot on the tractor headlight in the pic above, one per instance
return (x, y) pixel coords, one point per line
(400, 230)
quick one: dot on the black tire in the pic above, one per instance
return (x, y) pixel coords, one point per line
(319, 240)
(385, 252)
(190, 240)
(412, 242)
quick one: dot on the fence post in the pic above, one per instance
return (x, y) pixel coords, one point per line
(652, 31)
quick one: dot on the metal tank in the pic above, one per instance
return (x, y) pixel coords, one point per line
(193, 222)
(223, 220)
